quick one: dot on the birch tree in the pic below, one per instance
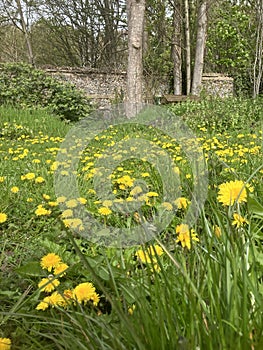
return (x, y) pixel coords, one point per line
(135, 15)
(25, 31)
(177, 47)
(187, 47)
(258, 61)
(200, 48)
(18, 13)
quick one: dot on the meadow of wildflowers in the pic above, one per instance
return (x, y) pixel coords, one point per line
(198, 287)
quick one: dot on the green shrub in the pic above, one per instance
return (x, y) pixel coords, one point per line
(218, 114)
(24, 86)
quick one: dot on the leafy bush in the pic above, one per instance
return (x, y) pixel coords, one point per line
(221, 114)
(24, 86)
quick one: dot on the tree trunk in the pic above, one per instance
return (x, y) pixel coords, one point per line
(187, 48)
(135, 14)
(26, 34)
(177, 48)
(258, 61)
(200, 48)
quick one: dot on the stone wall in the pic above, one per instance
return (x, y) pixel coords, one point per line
(104, 88)
(217, 85)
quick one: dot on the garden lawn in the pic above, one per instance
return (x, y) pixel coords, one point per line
(198, 287)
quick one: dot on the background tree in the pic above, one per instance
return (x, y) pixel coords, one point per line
(81, 33)
(187, 47)
(157, 62)
(87, 33)
(177, 47)
(20, 14)
(135, 15)
(231, 42)
(258, 60)
(12, 44)
(200, 48)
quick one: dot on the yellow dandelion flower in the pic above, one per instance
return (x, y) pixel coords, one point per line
(148, 256)
(53, 203)
(55, 299)
(156, 268)
(54, 166)
(67, 222)
(185, 235)
(3, 218)
(152, 194)
(143, 256)
(61, 199)
(91, 191)
(143, 198)
(131, 309)
(2, 178)
(168, 206)
(82, 200)
(95, 298)
(15, 189)
(48, 285)
(30, 200)
(5, 344)
(67, 213)
(41, 211)
(104, 211)
(49, 261)
(28, 176)
(136, 190)
(46, 196)
(74, 223)
(39, 180)
(231, 192)
(239, 221)
(137, 217)
(60, 269)
(156, 250)
(64, 173)
(43, 305)
(217, 231)
(107, 203)
(181, 202)
(145, 174)
(72, 203)
(125, 181)
(84, 292)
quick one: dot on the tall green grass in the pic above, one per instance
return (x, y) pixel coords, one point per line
(34, 120)
(208, 297)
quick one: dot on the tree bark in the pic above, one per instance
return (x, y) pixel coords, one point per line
(177, 48)
(258, 61)
(26, 34)
(200, 49)
(187, 48)
(135, 14)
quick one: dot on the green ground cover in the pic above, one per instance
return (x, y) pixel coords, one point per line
(197, 287)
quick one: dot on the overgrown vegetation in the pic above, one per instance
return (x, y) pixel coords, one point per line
(191, 287)
(23, 86)
(219, 115)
